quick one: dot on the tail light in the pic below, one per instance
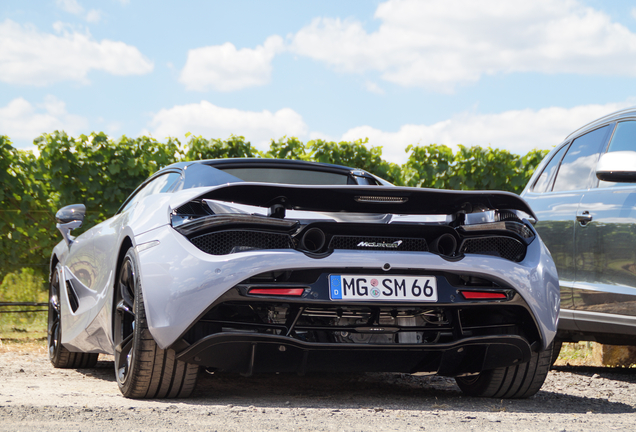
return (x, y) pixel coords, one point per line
(484, 295)
(277, 291)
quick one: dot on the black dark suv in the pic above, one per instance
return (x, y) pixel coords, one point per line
(584, 195)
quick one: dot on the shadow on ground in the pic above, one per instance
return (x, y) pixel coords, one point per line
(380, 391)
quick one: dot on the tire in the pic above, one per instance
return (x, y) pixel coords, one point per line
(61, 357)
(142, 369)
(513, 382)
(556, 350)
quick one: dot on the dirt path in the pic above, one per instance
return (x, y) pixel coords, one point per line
(34, 396)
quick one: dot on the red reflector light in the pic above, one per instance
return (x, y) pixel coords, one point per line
(278, 291)
(473, 295)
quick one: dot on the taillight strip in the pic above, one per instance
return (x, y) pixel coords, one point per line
(483, 295)
(277, 291)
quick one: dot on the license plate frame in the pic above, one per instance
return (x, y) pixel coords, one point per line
(385, 288)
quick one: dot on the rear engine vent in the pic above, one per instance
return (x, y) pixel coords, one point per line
(226, 242)
(193, 208)
(378, 243)
(72, 296)
(504, 247)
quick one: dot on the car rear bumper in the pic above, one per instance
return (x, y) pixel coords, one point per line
(181, 283)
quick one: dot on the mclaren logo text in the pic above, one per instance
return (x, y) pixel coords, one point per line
(384, 245)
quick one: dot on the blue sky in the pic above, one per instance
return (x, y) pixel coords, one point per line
(510, 74)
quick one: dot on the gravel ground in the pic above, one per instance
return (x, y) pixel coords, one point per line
(34, 396)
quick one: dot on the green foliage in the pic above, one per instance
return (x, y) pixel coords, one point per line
(25, 216)
(98, 171)
(234, 147)
(470, 168)
(355, 154)
(288, 148)
(428, 166)
(25, 285)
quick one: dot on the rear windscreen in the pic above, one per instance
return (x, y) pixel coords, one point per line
(287, 176)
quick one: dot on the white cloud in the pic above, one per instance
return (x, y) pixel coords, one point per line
(373, 87)
(28, 56)
(73, 7)
(93, 16)
(70, 6)
(22, 121)
(517, 131)
(440, 43)
(212, 121)
(224, 68)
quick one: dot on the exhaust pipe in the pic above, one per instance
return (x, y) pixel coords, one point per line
(446, 244)
(313, 240)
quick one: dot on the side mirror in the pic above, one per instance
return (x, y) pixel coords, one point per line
(619, 167)
(68, 218)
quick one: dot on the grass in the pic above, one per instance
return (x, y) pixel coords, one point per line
(23, 332)
(21, 326)
(23, 286)
(580, 354)
(595, 354)
(25, 345)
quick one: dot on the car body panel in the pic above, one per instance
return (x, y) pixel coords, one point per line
(556, 226)
(591, 232)
(605, 258)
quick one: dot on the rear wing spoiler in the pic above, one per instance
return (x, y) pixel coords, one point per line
(368, 199)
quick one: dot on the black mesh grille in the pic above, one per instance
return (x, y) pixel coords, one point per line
(193, 208)
(225, 242)
(504, 247)
(379, 243)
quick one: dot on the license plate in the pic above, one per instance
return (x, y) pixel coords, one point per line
(383, 288)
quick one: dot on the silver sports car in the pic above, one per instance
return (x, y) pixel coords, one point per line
(261, 265)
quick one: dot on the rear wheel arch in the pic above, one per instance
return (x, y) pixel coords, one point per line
(54, 262)
(126, 244)
(142, 369)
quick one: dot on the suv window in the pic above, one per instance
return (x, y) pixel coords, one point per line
(624, 139)
(161, 184)
(545, 179)
(580, 160)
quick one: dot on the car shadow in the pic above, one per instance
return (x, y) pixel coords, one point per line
(377, 391)
(621, 373)
(614, 373)
(103, 370)
(380, 391)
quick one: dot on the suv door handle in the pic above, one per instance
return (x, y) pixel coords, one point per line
(584, 218)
